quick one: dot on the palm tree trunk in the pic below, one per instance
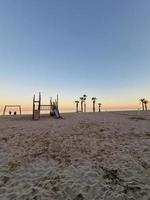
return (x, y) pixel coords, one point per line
(93, 106)
(76, 107)
(145, 106)
(81, 106)
(142, 106)
(99, 108)
(84, 106)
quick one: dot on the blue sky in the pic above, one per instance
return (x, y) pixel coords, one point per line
(72, 47)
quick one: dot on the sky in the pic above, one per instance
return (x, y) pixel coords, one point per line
(73, 47)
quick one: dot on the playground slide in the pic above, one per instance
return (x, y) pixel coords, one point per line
(56, 112)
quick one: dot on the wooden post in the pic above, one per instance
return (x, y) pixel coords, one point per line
(20, 109)
(36, 112)
(39, 102)
(33, 115)
(39, 106)
(4, 110)
(57, 100)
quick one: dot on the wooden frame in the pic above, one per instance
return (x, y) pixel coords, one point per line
(11, 106)
(38, 107)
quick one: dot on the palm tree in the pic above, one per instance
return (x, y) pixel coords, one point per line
(145, 104)
(94, 100)
(82, 100)
(77, 106)
(142, 101)
(99, 107)
(84, 96)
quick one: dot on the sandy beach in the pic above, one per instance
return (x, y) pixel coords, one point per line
(84, 156)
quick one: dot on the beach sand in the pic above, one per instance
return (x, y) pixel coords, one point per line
(84, 156)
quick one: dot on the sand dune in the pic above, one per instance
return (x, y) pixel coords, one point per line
(84, 156)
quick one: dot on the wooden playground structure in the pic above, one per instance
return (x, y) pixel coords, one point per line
(52, 107)
(12, 106)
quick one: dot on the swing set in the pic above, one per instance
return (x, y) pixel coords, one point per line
(12, 106)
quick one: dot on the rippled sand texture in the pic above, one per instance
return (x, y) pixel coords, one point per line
(85, 156)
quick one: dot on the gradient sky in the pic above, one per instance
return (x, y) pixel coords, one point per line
(71, 47)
